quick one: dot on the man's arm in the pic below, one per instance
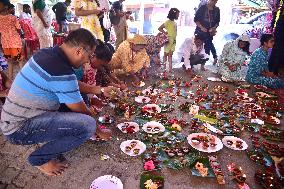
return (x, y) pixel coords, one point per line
(89, 89)
(81, 12)
(80, 107)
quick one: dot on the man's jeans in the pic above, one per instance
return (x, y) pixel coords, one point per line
(59, 131)
(209, 47)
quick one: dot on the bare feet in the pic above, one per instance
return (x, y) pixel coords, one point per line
(53, 168)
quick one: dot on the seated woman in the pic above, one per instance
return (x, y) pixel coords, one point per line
(258, 72)
(131, 58)
(87, 77)
(233, 56)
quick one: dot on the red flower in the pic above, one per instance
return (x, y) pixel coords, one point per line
(149, 165)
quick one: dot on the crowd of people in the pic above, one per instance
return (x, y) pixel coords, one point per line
(50, 100)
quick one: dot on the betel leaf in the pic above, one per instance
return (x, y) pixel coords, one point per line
(154, 176)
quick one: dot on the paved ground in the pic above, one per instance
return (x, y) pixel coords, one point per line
(86, 166)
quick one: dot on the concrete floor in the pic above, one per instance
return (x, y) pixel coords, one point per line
(86, 164)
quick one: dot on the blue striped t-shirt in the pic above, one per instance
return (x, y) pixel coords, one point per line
(43, 83)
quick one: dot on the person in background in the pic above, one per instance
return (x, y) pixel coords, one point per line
(104, 5)
(26, 14)
(276, 64)
(30, 114)
(171, 31)
(207, 19)
(42, 19)
(89, 11)
(193, 53)
(258, 72)
(5, 85)
(60, 10)
(233, 57)
(131, 59)
(120, 24)
(11, 9)
(153, 48)
(10, 37)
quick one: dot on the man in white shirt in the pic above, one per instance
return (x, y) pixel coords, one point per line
(26, 14)
(193, 53)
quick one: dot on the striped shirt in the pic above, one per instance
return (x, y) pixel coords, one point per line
(45, 81)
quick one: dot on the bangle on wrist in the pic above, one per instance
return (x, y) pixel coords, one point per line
(102, 90)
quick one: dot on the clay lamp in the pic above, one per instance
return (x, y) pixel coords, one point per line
(185, 149)
(205, 145)
(171, 154)
(133, 143)
(136, 151)
(128, 148)
(240, 178)
(195, 141)
(229, 142)
(213, 145)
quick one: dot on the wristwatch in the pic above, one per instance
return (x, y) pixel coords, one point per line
(102, 90)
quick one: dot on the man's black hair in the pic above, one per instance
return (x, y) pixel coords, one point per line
(81, 37)
(26, 6)
(200, 36)
(103, 52)
(265, 38)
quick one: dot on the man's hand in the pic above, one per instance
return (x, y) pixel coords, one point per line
(110, 91)
(269, 74)
(144, 73)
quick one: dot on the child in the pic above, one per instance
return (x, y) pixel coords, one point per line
(171, 32)
(10, 37)
(5, 85)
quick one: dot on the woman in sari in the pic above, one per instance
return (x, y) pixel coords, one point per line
(42, 19)
(88, 10)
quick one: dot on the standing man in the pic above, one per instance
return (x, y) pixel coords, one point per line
(207, 19)
(30, 114)
(118, 19)
(60, 10)
(26, 14)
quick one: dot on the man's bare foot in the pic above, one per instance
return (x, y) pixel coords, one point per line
(53, 168)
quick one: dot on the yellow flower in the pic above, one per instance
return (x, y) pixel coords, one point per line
(171, 83)
(176, 127)
(149, 184)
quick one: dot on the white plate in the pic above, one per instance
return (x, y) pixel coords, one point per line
(257, 121)
(213, 129)
(139, 99)
(121, 125)
(140, 145)
(234, 139)
(199, 147)
(155, 91)
(213, 79)
(153, 124)
(107, 182)
(263, 95)
(151, 106)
